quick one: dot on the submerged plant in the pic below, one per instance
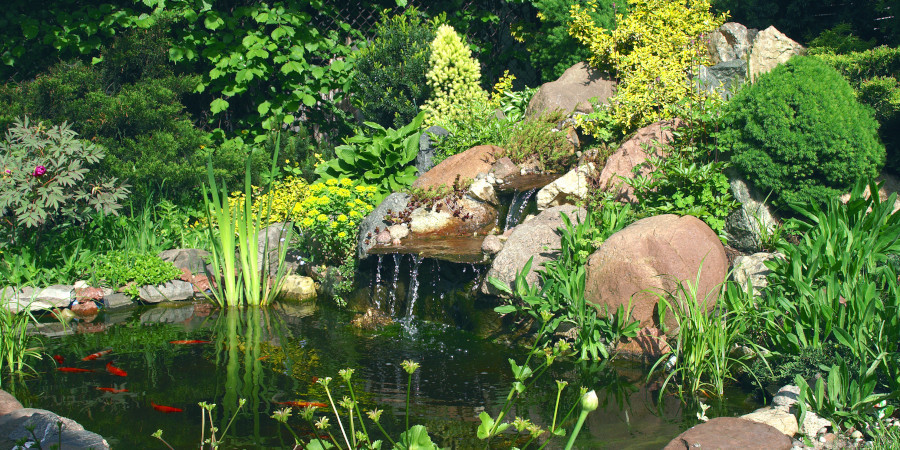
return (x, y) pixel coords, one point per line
(17, 346)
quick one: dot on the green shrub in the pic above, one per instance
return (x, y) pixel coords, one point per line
(840, 40)
(46, 178)
(800, 133)
(121, 268)
(874, 74)
(479, 127)
(389, 81)
(551, 49)
(151, 142)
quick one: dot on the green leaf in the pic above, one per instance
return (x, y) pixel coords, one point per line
(292, 66)
(218, 105)
(506, 309)
(263, 108)
(309, 100)
(416, 438)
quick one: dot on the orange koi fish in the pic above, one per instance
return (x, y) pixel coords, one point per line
(94, 356)
(300, 404)
(165, 409)
(73, 369)
(115, 370)
(112, 390)
(188, 342)
(58, 359)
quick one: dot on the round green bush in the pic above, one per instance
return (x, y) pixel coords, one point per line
(800, 133)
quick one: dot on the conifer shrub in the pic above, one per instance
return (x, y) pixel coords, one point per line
(800, 133)
(454, 78)
(390, 83)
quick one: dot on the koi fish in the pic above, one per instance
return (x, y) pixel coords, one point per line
(300, 404)
(94, 356)
(188, 342)
(115, 370)
(73, 369)
(112, 390)
(165, 409)
(58, 359)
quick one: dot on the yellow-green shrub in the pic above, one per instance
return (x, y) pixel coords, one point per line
(454, 77)
(652, 51)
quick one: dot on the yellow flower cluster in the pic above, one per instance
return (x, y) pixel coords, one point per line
(330, 215)
(285, 195)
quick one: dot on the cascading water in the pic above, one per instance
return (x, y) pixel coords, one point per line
(376, 285)
(516, 207)
(392, 303)
(413, 285)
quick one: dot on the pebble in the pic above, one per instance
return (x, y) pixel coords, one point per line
(856, 434)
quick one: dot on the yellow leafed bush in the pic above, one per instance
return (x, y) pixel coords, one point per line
(454, 78)
(652, 51)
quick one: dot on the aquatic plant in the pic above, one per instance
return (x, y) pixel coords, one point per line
(249, 283)
(212, 441)
(703, 357)
(131, 269)
(17, 346)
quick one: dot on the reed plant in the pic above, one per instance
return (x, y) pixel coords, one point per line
(705, 355)
(243, 277)
(17, 347)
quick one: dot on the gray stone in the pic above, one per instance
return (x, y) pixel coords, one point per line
(174, 290)
(58, 295)
(752, 270)
(748, 225)
(192, 259)
(536, 238)
(567, 189)
(483, 191)
(71, 435)
(394, 202)
(780, 419)
(730, 42)
(771, 48)
(724, 78)
(572, 91)
(298, 288)
(269, 245)
(425, 157)
(8, 403)
(492, 244)
(168, 314)
(786, 397)
(117, 300)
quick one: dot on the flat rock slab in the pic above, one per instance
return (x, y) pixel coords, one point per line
(462, 249)
(730, 433)
(174, 290)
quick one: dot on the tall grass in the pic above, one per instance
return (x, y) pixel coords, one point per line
(16, 345)
(234, 237)
(705, 359)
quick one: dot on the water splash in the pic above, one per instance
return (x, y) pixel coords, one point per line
(517, 207)
(413, 284)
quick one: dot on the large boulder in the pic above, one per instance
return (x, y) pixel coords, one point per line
(367, 234)
(567, 189)
(746, 225)
(731, 432)
(426, 148)
(633, 153)
(572, 91)
(647, 257)
(48, 429)
(537, 238)
(730, 42)
(771, 48)
(8, 403)
(466, 165)
(298, 288)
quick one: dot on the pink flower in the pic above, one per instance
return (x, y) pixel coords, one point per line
(39, 170)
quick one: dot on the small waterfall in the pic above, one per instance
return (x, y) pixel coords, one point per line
(516, 207)
(435, 273)
(376, 285)
(413, 285)
(396, 279)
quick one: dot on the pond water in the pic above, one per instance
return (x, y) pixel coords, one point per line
(275, 354)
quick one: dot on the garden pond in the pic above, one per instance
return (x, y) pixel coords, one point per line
(274, 355)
